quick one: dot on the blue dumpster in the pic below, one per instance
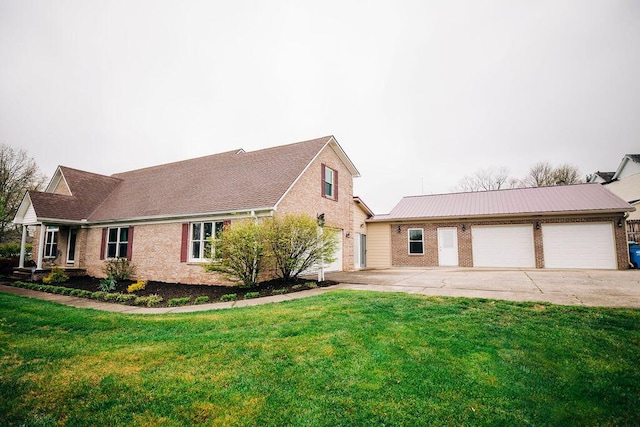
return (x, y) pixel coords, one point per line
(634, 255)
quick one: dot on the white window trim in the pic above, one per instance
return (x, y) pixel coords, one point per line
(51, 231)
(328, 171)
(409, 241)
(117, 242)
(190, 257)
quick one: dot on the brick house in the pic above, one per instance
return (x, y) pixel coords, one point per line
(160, 217)
(573, 226)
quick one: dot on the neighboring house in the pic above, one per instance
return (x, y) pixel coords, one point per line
(161, 217)
(600, 177)
(625, 183)
(572, 226)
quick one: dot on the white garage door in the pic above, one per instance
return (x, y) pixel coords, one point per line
(337, 264)
(503, 246)
(588, 245)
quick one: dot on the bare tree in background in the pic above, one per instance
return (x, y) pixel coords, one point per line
(487, 180)
(18, 173)
(542, 174)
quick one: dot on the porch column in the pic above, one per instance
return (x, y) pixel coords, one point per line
(43, 232)
(23, 244)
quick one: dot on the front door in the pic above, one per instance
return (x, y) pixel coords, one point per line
(448, 246)
(71, 247)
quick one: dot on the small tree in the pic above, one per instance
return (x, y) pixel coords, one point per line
(240, 249)
(296, 245)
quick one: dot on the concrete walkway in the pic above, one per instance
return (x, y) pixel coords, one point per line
(598, 288)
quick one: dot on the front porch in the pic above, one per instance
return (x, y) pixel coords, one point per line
(36, 275)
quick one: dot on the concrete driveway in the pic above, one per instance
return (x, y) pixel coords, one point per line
(568, 287)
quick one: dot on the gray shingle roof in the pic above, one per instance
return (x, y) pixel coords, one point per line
(88, 191)
(225, 182)
(521, 201)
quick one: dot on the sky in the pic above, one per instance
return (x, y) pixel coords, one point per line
(418, 93)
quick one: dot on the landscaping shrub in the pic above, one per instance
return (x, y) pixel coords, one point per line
(202, 299)
(279, 291)
(98, 295)
(119, 269)
(296, 287)
(111, 296)
(75, 292)
(57, 275)
(295, 244)
(137, 286)
(239, 251)
(311, 285)
(125, 297)
(108, 284)
(228, 297)
(12, 250)
(149, 301)
(250, 295)
(174, 302)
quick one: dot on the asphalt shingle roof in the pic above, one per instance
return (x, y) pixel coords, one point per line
(225, 182)
(88, 191)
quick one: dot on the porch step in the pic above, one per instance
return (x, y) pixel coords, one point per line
(25, 273)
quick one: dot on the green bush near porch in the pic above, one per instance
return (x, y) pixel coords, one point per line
(343, 358)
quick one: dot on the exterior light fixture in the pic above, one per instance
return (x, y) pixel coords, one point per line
(399, 229)
(464, 227)
(537, 225)
(619, 222)
(320, 219)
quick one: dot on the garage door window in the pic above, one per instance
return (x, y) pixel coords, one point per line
(416, 241)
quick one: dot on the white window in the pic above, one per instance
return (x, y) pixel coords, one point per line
(329, 183)
(200, 242)
(51, 242)
(117, 242)
(416, 241)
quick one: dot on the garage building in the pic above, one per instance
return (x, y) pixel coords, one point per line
(573, 226)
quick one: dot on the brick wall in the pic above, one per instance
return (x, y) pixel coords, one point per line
(306, 197)
(155, 253)
(399, 240)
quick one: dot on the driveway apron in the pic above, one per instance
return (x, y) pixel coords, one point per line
(570, 287)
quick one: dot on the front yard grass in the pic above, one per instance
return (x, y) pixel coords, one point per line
(343, 358)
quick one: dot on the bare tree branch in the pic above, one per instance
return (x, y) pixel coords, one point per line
(18, 173)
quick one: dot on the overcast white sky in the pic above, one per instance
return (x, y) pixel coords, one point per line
(418, 93)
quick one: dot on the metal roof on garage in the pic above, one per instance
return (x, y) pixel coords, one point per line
(567, 199)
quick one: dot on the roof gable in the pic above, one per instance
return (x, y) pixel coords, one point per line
(580, 198)
(72, 195)
(630, 165)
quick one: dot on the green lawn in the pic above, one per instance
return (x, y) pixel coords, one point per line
(344, 358)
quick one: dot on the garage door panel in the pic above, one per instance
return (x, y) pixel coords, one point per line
(503, 246)
(586, 245)
(336, 265)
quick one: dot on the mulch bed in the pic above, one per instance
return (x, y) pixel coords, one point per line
(170, 291)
